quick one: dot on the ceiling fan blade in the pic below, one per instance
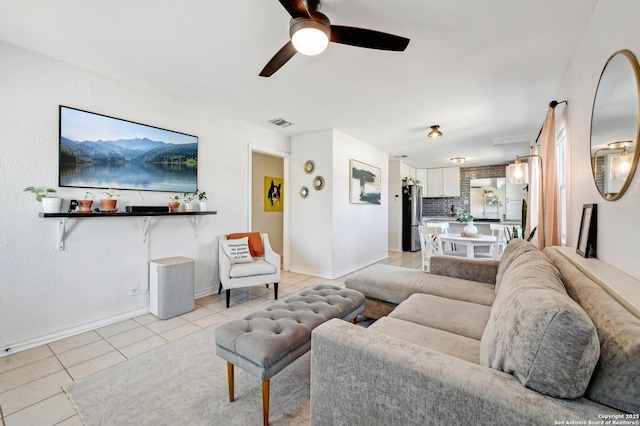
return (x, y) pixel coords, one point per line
(279, 59)
(367, 38)
(296, 8)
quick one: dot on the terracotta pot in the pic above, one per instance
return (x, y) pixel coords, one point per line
(173, 207)
(108, 204)
(85, 205)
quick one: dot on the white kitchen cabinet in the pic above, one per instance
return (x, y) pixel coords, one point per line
(421, 175)
(443, 182)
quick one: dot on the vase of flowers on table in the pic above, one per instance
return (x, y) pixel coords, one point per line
(467, 219)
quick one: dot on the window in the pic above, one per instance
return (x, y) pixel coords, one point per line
(561, 158)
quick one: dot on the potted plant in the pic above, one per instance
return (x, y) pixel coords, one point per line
(84, 206)
(203, 204)
(407, 181)
(174, 203)
(109, 204)
(188, 201)
(467, 219)
(49, 204)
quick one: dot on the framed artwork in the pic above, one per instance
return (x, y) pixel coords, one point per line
(588, 231)
(98, 151)
(364, 183)
(273, 194)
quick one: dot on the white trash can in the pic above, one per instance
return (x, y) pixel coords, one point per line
(171, 286)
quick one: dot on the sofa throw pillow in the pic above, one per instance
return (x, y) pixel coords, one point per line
(543, 338)
(255, 242)
(237, 250)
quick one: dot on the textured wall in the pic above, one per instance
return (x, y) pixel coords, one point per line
(47, 293)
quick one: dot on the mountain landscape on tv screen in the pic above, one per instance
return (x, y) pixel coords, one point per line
(127, 150)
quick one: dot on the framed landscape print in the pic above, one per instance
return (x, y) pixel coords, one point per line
(365, 184)
(98, 151)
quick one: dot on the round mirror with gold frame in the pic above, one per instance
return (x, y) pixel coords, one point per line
(615, 125)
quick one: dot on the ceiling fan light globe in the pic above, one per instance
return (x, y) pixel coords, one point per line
(310, 41)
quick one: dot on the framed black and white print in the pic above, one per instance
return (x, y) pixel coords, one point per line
(588, 231)
(365, 183)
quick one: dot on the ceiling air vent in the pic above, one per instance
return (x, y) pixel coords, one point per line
(281, 122)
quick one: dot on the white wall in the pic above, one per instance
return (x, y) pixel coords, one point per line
(360, 231)
(47, 293)
(329, 236)
(396, 168)
(613, 26)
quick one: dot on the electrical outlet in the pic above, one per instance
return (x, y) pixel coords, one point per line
(133, 289)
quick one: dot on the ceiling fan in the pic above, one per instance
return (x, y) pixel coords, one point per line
(311, 31)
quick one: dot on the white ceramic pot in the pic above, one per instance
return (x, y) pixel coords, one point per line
(203, 205)
(188, 207)
(470, 228)
(51, 204)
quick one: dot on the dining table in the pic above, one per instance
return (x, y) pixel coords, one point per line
(470, 242)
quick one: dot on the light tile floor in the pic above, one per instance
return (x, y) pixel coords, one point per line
(31, 380)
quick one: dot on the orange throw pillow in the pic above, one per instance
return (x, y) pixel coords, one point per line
(255, 242)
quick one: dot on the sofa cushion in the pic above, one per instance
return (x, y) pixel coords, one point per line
(259, 267)
(515, 248)
(538, 333)
(237, 250)
(395, 284)
(455, 316)
(615, 381)
(442, 341)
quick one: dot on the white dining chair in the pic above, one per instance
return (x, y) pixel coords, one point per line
(504, 229)
(495, 251)
(430, 244)
(447, 248)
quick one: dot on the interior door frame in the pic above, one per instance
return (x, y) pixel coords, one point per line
(287, 193)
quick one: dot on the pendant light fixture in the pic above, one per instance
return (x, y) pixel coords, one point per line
(435, 132)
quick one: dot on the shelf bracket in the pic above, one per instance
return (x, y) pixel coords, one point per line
(61, 230)
(146, 222)
(196, 225)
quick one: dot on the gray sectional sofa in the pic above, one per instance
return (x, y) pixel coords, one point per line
(527, 340)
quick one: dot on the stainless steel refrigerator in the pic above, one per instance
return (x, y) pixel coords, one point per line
(411, 217)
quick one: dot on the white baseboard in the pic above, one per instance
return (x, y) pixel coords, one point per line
(42, 340)
(333, 276)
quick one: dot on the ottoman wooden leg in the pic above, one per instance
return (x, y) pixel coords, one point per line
(230, 380)
(265, 402)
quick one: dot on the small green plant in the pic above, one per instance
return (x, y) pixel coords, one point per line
(202, 196)
(407, 181)
(515, 234)
(88, 195)
(188, 197)
(111, 193)
(40, 192)
(174, 199)
(465, 217)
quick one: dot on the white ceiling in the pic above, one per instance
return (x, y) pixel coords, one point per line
(485, 71)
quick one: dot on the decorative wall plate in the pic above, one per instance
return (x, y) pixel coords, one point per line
(304, 192)
(318, 183)
(309, 167)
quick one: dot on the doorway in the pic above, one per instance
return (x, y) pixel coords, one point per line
(268, 215)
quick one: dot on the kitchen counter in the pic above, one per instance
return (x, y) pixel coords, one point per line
(477, 223)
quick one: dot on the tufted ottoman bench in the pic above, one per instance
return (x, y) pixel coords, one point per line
(266, 341)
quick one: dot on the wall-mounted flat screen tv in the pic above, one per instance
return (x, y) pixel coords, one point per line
(98, 151)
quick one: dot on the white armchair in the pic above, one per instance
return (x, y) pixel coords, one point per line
(263, 270)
